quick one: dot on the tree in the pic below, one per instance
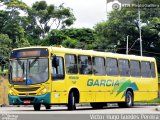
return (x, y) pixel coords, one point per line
(5, 48)
(121, 23)
(10, 21)
(70, 43)
(73, 37)
(42, 18)
(5, 45)
(112, 33)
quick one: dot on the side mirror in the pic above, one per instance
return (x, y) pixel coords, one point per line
(55, 61)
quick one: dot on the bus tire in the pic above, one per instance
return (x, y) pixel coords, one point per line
(37, 107)
(97, 105)
(71, 101)
(129, 102)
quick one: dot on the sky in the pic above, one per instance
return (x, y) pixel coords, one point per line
(87, 12)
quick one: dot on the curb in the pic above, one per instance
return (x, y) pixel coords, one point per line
(146, 104)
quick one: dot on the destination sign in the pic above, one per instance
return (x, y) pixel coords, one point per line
(24, 53)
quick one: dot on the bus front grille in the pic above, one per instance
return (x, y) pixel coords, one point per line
(27, 89)
(26, 94)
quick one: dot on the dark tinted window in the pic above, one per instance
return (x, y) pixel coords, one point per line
(85, 64)
(145, 69)
(99, 66)
(153, 73)
(71, 64)
(124, 67)
(111, 66)
(58, 69)
(135, 68)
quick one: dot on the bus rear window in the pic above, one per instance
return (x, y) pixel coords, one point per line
(145, 69)
(153, 73)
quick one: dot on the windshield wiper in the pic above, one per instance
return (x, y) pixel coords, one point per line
(34, 61)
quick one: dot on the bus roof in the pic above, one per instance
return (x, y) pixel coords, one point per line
(90, 52)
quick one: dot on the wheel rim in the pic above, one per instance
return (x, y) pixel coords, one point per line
(129, 99)
(73, 101)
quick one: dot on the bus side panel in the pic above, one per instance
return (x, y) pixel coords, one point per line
(148, 89)
(59, 97)
(87, 97)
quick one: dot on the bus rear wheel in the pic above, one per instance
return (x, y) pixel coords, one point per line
(97, 105)
(128, 101)
(71, 101)
(37, 107)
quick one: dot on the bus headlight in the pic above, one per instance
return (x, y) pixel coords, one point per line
(11, 92)
(43, 91)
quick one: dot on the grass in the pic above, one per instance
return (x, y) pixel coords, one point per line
(157, 100)
(154, 101)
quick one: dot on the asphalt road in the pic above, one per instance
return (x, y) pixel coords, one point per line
(82, 113)
(81, 110)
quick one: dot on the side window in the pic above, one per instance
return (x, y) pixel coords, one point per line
(57, 68)
(112, 67)
(145, 69)
(71, 64)
(153, 73)
(85, 64)
(124, 67)
(135, 68)
(99, 66)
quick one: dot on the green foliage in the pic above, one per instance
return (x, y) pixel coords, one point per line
(154, 101)
(10, 22)
(15, 4)
(70, 43)
(83, 38)
(5, 46)
(113, 32)
(43, 18)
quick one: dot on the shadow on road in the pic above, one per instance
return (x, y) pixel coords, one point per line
(80, 109)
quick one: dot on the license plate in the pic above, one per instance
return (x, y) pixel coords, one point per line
(26, 101)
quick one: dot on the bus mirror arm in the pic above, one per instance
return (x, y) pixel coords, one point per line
(55, 61)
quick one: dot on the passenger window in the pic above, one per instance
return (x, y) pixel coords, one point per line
(85, 64)
(124, 67)
(71, 64)
(99, 66)
(153, 73)
(112, 67)
(145, 69)
(135, 68)
(57, 68)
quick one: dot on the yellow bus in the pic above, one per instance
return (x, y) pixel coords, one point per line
(62, 76)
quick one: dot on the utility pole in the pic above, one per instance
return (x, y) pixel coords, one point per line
(127, 45)
(140, 29)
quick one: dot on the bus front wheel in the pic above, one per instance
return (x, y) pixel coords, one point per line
(128, 100)
(37, 107)
(71, 101)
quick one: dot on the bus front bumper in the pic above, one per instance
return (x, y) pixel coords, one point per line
(29, 100)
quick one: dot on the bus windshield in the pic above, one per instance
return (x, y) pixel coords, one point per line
(28, 71)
